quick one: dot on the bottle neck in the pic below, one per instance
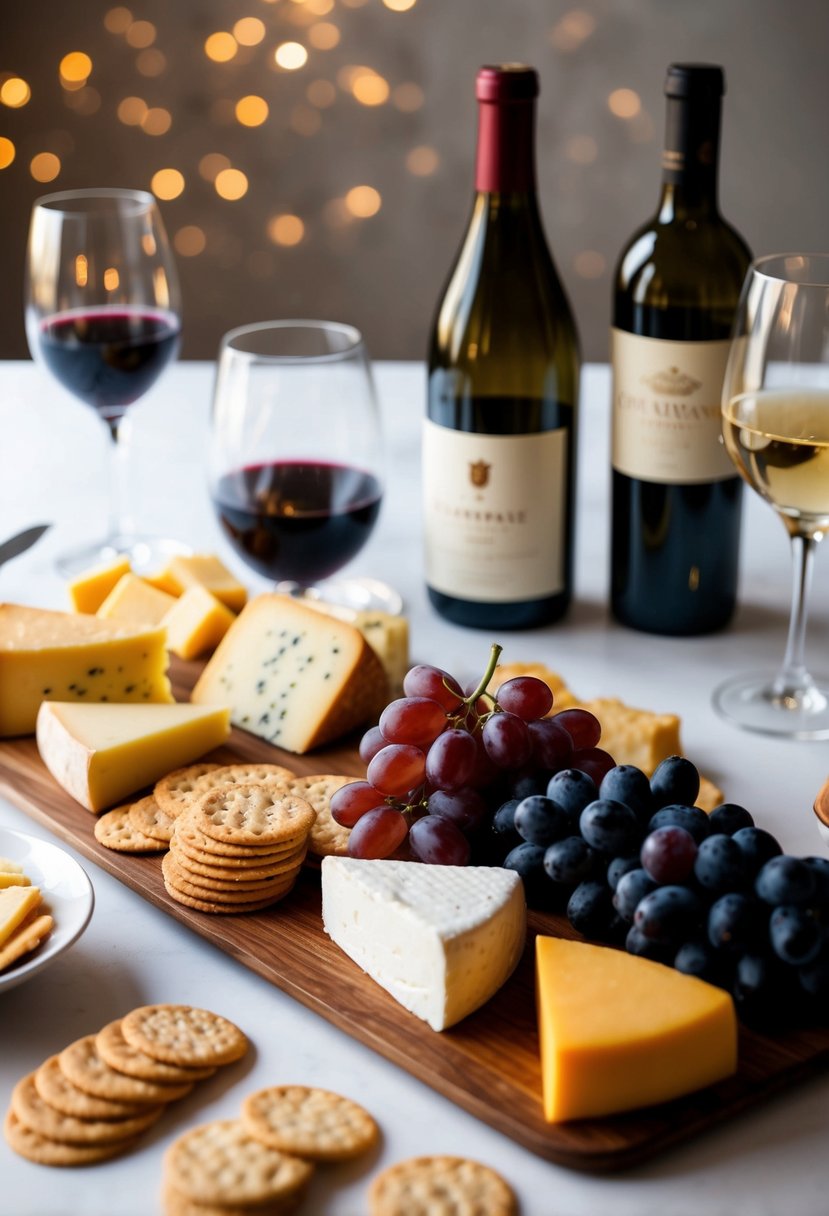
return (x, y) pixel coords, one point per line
(505, 161)
(690, 157)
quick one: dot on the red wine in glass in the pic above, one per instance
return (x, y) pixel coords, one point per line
(295, 519)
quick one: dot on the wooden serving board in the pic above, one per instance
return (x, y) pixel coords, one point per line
(489, 1063)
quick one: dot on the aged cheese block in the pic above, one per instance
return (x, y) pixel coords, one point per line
(387, 635)
(202, 570)
(440, 939)
(292, 675)
(89, 590)
(619, 1031)
(134, 599)
(102, 753)
(58, 656)
(196, 623)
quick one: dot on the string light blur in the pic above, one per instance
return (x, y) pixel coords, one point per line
(15, 92)
(118, 20)
(251, 111)
(422, 161)
(81, 270)
(190, 241)
(624, 103)
(167, 183)
(7, 152)
(249, 31)
(75, 69)
(220, 47)
(363, 201)
(140, 34)
(231, 184)
(290, 56)
(285, 229)
(44, 167)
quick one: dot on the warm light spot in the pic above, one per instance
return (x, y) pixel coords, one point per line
(141, 34)
(167, 183)
(347, 75)
(399, 6)
(81, 270)
(7, 152)
(148, 244)
(408, 97)
(624, 103)
(161, 287)
(581, 149)
(118, 20)
(190, 241)
(299, 14)
(324, 36)
(589, 264)
(363, 201)
(354, 3)
(231, 184)
(84, 101)
(45, 167)
(422, 161)
(248, 31)
(572, 30)
(75, 67)
(211, 165)
(320, 8)
(220, 47)
(305, 121)
(290, 56)
(151, 62)
(15, 92)
(321, 93)
(251, 111)
(157, 121)
(132, 111)
(112, 279)
(370, 89)
(285, 229)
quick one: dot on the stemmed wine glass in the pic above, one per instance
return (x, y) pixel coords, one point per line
(776, 430)
(103, 315)
(296, 459)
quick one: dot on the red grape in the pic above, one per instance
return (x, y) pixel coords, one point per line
(451, 759)
(433, 682)
(371, 743)
(436, 840)
(668, 854)
(377, 833)
(350, 802)
(552, 745)
(485, 772)
(417, 720)
(583, 727)
(507, 740)
(465, 808)
(527, 697)
(397, 768)
(593, 761)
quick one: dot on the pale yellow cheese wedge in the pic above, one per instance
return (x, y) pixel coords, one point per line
(100, 754)
(196, 623)
(134, 599)
(202, 570)
(27, 937)
(387, 635)
(13, 880)
(89, 590)
(61, 656)
(15, 904)
(618, 1031)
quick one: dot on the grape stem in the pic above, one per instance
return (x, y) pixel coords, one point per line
(494, 656)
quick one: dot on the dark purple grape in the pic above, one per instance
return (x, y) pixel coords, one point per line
(593, 761)
(526, 696)
(820, 869)
(628, 784)
(583, 727)
(572, 790)
(552, 746)
(728, 818)
(465, 808)
(609, 827)
(528, 861)
(541, 821)
(450, 761)
(631, 889)
(720, 866)
(737, 923)
(668, 854)
(796, 935)
(571, 861)
(699, 958)
(590, 909)
(668, 914)
(371, 743)
(765, 992)
(485, 772)
(646, 947)
(757, 847)
(506, 740)
(691, 818)
(524, 783)
(675, 780)
(814, 977)
(785, 880)
(438, 841)
(618, 867)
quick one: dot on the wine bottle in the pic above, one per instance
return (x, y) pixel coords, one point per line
(676, 502)
(499, 439)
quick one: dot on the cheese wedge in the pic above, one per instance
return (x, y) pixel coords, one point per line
(202, 570)
(58, 656)
(440, 939)
(89, 590)
(196, 623)
(619, 1031)
(15, 905)
(134, 599)
(292, 675)
(387, 635)
(102, 753)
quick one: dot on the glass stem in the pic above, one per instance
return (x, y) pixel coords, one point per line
(120, 520)
(793, 678)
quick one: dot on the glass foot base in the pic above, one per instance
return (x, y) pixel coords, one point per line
(146, 554)
(350, 594)
(757, 702)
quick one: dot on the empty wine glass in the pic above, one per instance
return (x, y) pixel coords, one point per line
(296, 460)
(776, 430)
(102, 314)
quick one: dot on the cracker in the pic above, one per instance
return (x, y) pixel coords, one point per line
(221, 891)
(237, 870)
(192, 839)
(311, 1123)
(176, 1204)
(448, 1186)
(83, 1066)
(147, 817)
(184, 791)
(172, 793)
(115, 1051)
(219, 1163)
(27, 937)
(42, 1151)
(252, 814)
(57, 1090)
(31, 1110)
(327, 838)
(222, 909)
(115, 830)
(181, 1034)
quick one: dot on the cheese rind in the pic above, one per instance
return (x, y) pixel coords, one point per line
(89, 590)
(134, 599)
(618, 1031)
(440, 939)
(100, 754)
(292, 675)
(196, 623)
(60, 656)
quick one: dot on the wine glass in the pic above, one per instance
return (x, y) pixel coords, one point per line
(296, 461)
(102, 314)
(776, 430)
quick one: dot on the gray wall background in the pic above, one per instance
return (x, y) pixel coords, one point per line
(598, 172)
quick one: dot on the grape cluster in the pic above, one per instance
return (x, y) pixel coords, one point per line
(634, 862)
(441, 760)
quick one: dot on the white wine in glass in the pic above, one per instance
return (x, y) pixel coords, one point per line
(776, 430)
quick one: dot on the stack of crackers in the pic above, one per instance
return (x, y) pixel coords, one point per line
(237, 834)
(94, 1099)
(24, 920)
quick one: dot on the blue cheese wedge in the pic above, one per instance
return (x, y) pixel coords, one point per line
(440, 939)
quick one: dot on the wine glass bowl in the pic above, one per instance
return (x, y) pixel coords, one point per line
(776, 431)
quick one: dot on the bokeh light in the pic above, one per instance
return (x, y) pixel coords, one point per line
(249, 31)
(370, 89)
(581, 149)
(571, 30)
(399, 6)
(320, 8)
(45, 167)
(285, 229)
(324, 36)
(190, 241)
(15, 92)
(75, 68)
(212, 164)
(290, 56)
(220, 47)
(624, 103)
(132, 111)
(408, 97)
(167, 183)
(141, 34)
(231, 184)
(118, 20)
(112, 279)
(363, 201)
(321, 93)
(422, 161)
(589, 264)
(7, 152)
(81, 270)
(251, 111)
(151, 62)
(157, 121)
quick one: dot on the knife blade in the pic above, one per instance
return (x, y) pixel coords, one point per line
(21, 542)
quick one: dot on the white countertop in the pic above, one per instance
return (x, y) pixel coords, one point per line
(51, 468)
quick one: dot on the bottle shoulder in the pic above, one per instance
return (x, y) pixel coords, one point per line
(686, 259)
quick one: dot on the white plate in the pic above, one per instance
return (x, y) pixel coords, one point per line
(67, 892)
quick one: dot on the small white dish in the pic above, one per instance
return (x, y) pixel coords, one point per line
(67, 894)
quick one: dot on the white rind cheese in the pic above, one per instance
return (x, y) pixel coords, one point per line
(440, 939)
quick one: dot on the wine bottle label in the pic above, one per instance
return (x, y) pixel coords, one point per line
(667, 425)
(494, 513)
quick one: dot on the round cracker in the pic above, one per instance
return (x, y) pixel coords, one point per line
(57, 1090)
(238, 872)
(221, 909)
(115, 1051)
(219, 1163)
(453, 1186)
(83, 1066)
(181, 790)
(328, 838)
(172, 793)
(176, 1204)
(252, 814)
(182, 1034)
(40, 1117)
(220, 891)
(148, 817)
(115, 830)
(311, 1123)
(42, 1151)
(191, 837)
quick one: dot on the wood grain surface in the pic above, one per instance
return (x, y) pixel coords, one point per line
(489, 1063)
